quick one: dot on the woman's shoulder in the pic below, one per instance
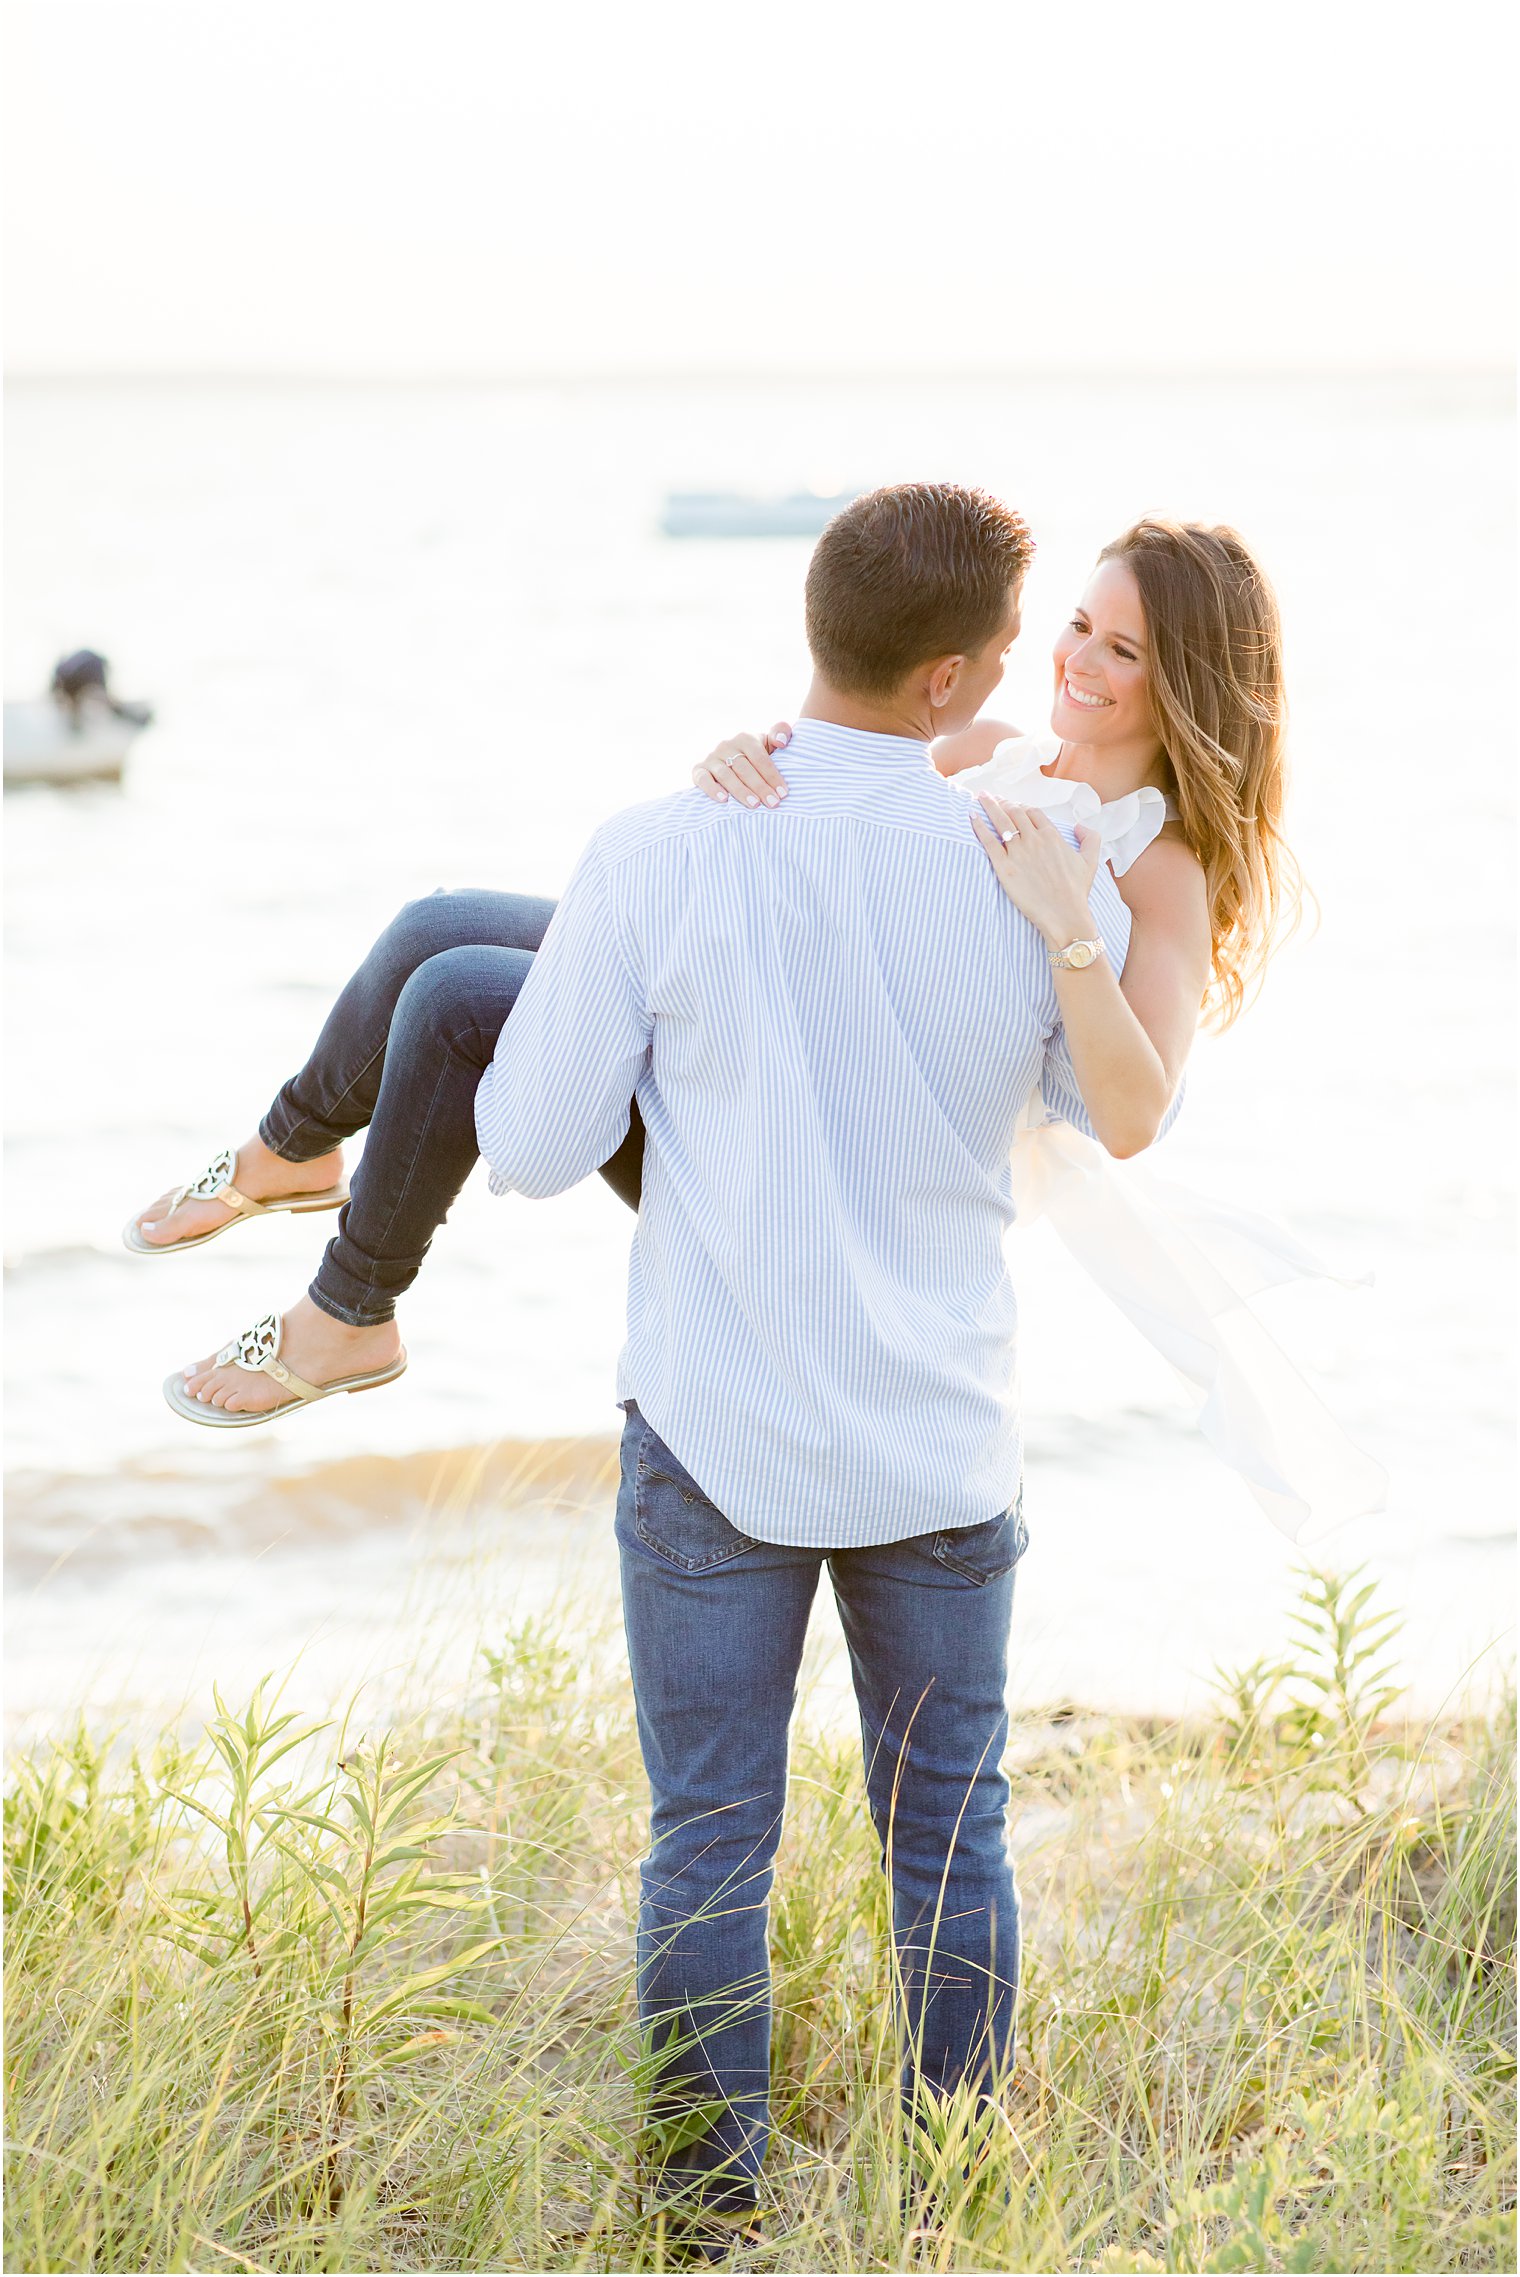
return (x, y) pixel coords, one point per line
(974, 745)
(1167, 879)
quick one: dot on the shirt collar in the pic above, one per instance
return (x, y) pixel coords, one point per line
(854, 747)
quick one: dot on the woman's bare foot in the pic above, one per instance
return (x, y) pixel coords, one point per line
(261, 1175)
(313, 1345)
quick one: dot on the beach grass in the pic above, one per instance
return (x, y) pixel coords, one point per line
(342, 1998)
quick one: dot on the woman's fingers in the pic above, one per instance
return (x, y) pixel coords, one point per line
(1012, 822)
(1003, 818)
(756, 781)
(780, 736)
(742, 769)
(991, 837)
(1090, 847)
(756, 769)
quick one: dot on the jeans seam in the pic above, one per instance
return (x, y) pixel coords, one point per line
(384, 1232)
(302, 1121)
(346, 1313)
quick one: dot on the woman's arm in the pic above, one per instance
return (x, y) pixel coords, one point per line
(972, 747)
(742, 767)
(1129, 1040)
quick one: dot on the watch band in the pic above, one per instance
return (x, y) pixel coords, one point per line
(1076, 956)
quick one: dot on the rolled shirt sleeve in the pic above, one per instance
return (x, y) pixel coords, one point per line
(554, 1102)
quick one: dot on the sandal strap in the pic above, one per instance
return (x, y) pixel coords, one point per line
(215, 1185)
(258, 1350)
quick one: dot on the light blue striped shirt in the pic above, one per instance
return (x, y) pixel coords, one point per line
(832, 1016)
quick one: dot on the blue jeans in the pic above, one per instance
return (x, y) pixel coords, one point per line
(715, 1623)
(402, 1052)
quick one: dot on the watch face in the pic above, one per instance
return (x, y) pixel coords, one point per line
(1080, 954)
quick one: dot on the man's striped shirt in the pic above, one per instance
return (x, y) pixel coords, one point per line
(831, 1016)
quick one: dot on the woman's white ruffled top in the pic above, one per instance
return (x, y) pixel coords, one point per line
(1185, 1269)
(1016, 774)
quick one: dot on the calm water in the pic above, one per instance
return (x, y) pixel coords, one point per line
(402, 637)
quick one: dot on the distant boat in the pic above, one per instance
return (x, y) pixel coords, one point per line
(77, 733)
(733, 514)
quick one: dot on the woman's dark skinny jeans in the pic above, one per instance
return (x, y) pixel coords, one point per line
(402, 1052)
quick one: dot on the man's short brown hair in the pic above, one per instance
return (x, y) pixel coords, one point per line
(903, 575)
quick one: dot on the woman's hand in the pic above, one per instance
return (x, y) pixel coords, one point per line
(1041, 875)
(741, 768)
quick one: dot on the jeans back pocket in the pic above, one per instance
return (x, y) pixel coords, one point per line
(983, 1553)
(674, 1517)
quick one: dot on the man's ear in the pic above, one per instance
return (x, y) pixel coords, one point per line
(943, 680)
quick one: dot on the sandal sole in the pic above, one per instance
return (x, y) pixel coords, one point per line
(305, 1207)
(217, 1418)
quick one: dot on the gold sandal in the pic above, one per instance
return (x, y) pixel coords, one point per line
(258, 1350)
(215, 1185)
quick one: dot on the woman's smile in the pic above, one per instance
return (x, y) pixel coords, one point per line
(1100, 666)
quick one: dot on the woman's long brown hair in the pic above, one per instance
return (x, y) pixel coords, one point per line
(1218, 705)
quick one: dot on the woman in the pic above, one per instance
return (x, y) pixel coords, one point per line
(1169, 710)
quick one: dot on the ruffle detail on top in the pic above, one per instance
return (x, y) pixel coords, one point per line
(1016, 774)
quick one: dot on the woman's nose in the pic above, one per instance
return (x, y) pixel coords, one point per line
(1084, 657)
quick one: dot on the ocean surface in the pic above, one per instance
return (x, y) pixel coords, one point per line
(404, 636)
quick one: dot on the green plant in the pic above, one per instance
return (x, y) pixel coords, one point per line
(1314, 1706)
(367, 2004)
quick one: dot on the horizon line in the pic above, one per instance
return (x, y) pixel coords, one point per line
(843, 376)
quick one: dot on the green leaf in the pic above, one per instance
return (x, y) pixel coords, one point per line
(407, 1790)
(427, 1978)
(470, 2011)
(665, 2137)
(202, 1810)
(322, 1822)
(459, 1900)
(423, 2043)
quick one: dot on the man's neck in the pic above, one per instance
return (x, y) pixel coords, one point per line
(898, 715)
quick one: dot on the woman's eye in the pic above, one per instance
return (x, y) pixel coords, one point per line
(1128, 654)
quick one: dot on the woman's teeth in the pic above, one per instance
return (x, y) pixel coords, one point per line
(1088, 703)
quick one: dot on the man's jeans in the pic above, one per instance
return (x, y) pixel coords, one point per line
(715, 1623)
(403, 1051)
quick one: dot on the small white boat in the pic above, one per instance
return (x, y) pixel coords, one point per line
(733, 514)
(42, 745)
(78, 733)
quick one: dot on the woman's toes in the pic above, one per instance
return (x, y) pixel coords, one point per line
(151, 1221)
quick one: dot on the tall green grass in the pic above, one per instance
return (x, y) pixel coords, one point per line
(327, 1998)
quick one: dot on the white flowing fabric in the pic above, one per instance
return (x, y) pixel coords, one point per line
(1182, 1267)
(1185, 1269)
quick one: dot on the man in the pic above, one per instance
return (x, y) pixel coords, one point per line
(831, 1016)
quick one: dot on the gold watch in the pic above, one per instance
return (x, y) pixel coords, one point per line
(1076, 956)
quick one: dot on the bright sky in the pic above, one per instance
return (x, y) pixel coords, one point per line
(519, 186)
